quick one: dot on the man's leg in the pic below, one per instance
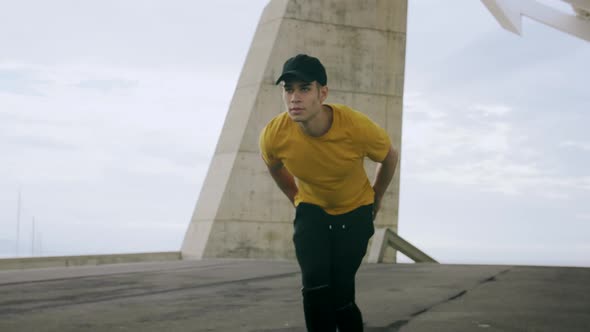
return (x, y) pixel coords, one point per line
(349, 245)
(312, 248)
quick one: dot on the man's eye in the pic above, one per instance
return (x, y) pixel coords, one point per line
(305, 89)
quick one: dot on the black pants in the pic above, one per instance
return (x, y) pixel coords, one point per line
(329, 250)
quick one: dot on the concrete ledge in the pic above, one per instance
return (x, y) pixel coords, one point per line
(87, 260)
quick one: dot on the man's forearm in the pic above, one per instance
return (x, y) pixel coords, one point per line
(384, 173)
(285, 181)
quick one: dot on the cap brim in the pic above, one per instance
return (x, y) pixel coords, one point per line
(294, 74)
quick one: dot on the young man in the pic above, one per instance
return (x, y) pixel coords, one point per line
(323, 146)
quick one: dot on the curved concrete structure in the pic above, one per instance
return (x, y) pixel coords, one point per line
(240, 212)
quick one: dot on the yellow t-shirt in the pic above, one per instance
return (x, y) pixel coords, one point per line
(328, 169)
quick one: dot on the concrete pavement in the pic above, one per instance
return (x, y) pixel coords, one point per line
(255, 295)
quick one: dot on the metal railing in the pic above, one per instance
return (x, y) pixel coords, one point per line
(385, 237)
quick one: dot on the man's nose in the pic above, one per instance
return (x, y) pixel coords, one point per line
(295, 97)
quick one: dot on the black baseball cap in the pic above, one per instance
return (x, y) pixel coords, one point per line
(305, 68)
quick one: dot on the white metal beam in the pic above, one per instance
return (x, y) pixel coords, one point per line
(579, 4)
(509, 14)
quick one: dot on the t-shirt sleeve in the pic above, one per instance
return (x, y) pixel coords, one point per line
(265, 145)
(377, 142)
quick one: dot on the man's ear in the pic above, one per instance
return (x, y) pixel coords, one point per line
(323, 93)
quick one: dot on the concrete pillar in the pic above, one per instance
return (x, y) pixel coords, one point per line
(240, 211)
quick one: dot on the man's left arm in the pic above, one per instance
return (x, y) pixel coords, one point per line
(383, 175)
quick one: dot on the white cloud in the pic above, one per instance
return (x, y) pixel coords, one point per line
(575, 145)
(453, 133)
(152, 125)
(416, 103)
(480, 147)
(503, 176)
(156, 225)
(582, 216)
(107, 86)
(492, 110)
(133, 33)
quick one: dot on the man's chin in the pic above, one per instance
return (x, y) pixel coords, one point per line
(297, 118)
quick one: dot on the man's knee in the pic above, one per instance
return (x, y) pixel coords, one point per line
(318, 298)
(342, 294)
(328, 297)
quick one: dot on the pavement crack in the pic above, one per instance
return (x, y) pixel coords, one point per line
(456, 296)
(397, 325)
(393, 327)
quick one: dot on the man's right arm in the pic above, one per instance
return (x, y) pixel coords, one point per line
(284, 180)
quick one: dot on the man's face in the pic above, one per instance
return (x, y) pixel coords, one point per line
(303, 99)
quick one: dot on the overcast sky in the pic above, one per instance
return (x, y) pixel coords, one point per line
(110, 112)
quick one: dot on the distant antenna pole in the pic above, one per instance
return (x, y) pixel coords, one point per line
(33, 239)
(17, 223)
(40, 248)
